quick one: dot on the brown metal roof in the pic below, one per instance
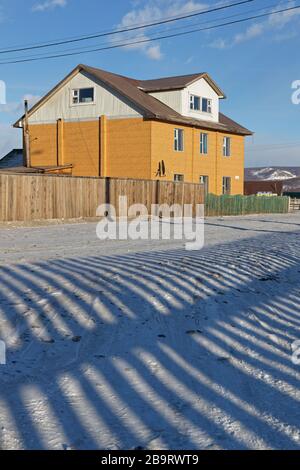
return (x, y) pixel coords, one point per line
(150, 107)
(177, 83)
(169, 83)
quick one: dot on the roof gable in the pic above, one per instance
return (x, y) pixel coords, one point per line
(151, 107)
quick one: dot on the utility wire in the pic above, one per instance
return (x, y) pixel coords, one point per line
(159, 38)
(153, 35)
(125, 30)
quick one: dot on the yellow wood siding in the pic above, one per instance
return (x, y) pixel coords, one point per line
(81, 147)
(129, 148)
(133, 148)
(191, 163)
(43, 144)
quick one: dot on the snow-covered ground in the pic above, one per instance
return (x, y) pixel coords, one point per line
(118, 345)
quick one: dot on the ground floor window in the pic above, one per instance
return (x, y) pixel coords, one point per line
(204, 179)
(178, 178)
(226, 185)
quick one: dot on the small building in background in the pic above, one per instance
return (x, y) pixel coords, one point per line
(12, 160)
(263, 188)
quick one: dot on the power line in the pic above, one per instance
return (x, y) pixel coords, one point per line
(159, 38)
(126, 30)
(178, 28)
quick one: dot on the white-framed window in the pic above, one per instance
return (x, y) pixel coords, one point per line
(226, 185)
(83, 96)
(178, 178)
(178, 140)
(206, 105)
(203, 143)
(204, 179)
(226, 146)
(197, 103)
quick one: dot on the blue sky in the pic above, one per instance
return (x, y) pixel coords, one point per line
(255, 63)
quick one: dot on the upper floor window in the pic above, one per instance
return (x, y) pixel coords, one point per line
(83, 95)
(200, 104)
(203, 143)
(195, 102)
(226, 146)
(178, 140)
(206, 105)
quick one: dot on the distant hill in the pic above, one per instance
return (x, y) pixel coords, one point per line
(274, 173)
(290, 175)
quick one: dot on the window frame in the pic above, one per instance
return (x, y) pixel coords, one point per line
(228, 179)
(178, 180)
(201, 99)
(226, 150)
(206, 184)
(192, 102)
(83, 103)
(202, 143)
(178, 131)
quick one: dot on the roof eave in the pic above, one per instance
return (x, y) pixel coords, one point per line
(204, 125)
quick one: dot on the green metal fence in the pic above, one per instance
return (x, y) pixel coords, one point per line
(242, 205)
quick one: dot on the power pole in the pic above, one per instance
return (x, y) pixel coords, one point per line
(26, 137)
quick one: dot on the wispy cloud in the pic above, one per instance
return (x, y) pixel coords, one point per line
(273, 23)
(9, 138)
(144, 12)
(49, 5)
(17, 107)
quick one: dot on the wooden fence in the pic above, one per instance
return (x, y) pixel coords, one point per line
(294, 204)
(40, 197)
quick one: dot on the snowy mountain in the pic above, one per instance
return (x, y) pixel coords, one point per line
(272, 173)
(289, 175)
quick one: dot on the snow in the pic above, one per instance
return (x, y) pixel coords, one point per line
(261, 171)
(118, 345)
(272, 173)
(281, 175)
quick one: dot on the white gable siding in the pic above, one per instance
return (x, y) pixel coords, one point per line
(203, 89)
(180, 100)
(107, 102)
(173, 99)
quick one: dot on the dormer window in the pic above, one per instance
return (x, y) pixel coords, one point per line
(206, 105)
(197, 103)
(83, 96)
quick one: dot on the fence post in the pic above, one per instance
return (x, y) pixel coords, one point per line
(107, 190)
(157, 196)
